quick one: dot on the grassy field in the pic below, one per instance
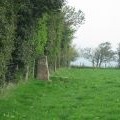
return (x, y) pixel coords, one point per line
(73, 94)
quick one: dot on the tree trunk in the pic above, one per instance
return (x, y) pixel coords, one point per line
(33, 70)
(55, 65)
(58, 62)
(105, 64)
(27, 72)
(100, 63)
(93, 63)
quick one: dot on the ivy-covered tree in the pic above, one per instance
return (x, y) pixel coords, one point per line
(7, 28)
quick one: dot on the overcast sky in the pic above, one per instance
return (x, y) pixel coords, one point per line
(102, 22)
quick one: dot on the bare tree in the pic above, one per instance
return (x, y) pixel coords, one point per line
(73, 17)
(102, 54)
(89, 54)
(106, 53)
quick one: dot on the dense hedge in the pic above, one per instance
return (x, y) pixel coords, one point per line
(28, 29)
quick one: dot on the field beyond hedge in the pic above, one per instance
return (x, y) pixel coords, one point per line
(73, 94)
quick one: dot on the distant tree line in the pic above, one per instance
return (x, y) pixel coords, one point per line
(103, 54)
(32, 28)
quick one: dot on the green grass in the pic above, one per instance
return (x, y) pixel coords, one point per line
(73, 94)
